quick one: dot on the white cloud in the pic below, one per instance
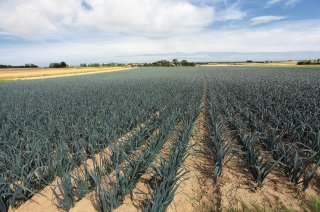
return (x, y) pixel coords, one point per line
(272, 2)
(153, 17)
(292, 3)
(104, 29)
(265, 19)
(232, 12)
(287, 3)
(35, 18)
(289, 36)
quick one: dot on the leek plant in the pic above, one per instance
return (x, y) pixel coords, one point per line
(48, 127)
(170, 174)
(216, 144)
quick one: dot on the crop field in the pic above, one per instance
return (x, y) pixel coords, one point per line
(29, 73)
(162, 139)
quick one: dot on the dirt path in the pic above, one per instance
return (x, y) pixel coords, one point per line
(197, 192)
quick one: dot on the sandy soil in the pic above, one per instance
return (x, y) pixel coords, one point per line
(14, 74)
(197, 191)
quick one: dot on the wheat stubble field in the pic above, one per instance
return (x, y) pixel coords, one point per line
(162, 139)
(36, 73)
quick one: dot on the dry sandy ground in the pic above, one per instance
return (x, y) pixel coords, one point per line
(23, 73)
(197, 191)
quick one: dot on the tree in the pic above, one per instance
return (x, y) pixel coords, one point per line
(186, 63)
(31, 65)
(63, 65)
(175, 62)
(58, 65)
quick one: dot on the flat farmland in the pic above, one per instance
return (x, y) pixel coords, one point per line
(29, 73)
(162, 139)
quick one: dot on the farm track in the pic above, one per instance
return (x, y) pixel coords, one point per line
(45, 199)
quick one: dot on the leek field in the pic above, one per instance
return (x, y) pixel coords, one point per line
(138, 140)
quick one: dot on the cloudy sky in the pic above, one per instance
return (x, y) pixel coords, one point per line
(44, 31)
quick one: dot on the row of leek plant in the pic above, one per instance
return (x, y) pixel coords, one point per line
(170, 174)
(303, 134)
(287, 102)
(298, 122)
(215, 144)
(62, 162)
(300, 164)
(40, 142)
(111, 190)
(119, 155)
(74, 185)
(258, 166)
(289, 105)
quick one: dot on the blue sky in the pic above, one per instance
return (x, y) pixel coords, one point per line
(78, 31)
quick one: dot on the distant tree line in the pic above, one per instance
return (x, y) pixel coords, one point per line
(25, 66)
(251, 61)
(309, 62)
(58, 65)
(101, 64)
(166, 63)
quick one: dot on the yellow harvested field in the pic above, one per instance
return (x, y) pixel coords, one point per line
(35, 73)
